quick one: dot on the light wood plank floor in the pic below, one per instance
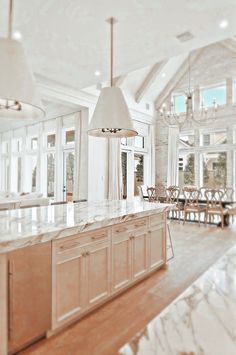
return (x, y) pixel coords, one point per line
(108, 328)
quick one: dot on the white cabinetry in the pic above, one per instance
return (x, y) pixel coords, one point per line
(91, 267)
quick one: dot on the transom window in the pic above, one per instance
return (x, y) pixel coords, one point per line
(34, 143)
(215, 94)
(179, 103)
(51, 140)
(70, 136)
(139, 141)
(214, 138)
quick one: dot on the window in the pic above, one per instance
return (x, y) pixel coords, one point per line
(180, 103)
(51, 175)
(124, 173)
(19, 174)
(138, 172)
(217, 94)
(70, 137)
(123, 141)
(34, 143)
(186, 169)
(51, 141)
(139, 142)
(69, 168)
(32, 171)
(186, 140)
(5, 147)
(214, 138)
(214, 169)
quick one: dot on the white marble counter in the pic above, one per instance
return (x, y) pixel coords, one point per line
(20, 228)
(201, 321)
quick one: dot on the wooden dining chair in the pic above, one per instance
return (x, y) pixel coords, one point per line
(172, 196)
(152, 194)
(191, 205)
(214, 205)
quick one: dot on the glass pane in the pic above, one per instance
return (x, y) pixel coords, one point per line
(19, 172)
(214, 138)
(34, 173)
(50, 175)
(69, 175)
(186, 169)
(123, 141)
(180, 103)
(139, 141)
(34, 143)
(51, 140)
(217, 94)
(138, 172)
(70, 137)
(186, 141)
(6, 172)
(124, 174)
(5, 147)
(214, 169)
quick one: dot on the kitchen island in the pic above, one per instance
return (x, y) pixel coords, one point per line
(58, 263)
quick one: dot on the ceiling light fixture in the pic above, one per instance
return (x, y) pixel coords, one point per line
(97, 73)
(190, 118)
(163, 75)
(18, 93)
(111, 118)
(223, 24)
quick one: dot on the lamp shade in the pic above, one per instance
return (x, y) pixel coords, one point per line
(111, 117)
(18, 93)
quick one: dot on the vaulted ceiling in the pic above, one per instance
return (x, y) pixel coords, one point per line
(67, 40)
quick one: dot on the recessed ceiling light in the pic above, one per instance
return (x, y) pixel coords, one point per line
(17, 35)
(97, 73)
(163, 75)
(223, 24)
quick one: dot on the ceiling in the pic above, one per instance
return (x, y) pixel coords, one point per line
(67, 40)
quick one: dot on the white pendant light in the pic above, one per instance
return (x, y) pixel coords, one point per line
(111, 117)
(19, 97)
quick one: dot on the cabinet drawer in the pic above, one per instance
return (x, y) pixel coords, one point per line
(157, 219)
(127, 227)
(70, 243)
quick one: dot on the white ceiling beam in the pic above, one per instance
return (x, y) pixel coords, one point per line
(149, 80)
(230, 44)
(174, 81)
(118, 81)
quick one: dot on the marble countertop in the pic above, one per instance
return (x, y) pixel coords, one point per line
(24, 227)
(201, 321)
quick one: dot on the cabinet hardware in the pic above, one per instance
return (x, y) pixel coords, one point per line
(99, 236)
(69, 246)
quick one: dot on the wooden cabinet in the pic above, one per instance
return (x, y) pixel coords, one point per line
(81, 274)
(68, 284)
(91, 267)
(121, 261)
(98, 272)
(139, 255)
(29, 294)
(157, 246)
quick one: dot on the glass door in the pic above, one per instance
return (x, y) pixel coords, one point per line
(68, 178)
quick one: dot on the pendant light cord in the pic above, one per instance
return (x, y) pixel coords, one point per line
(189, 73)
(111, 49)
(10, 19)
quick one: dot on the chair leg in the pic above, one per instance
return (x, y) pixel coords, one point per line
(222, 221)
(199, 215)
(171, 244)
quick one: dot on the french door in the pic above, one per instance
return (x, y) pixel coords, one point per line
(68, 175)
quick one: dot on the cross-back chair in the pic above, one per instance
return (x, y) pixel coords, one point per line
(152, 194)
(192, 195)
(172, 196)
(214, 207)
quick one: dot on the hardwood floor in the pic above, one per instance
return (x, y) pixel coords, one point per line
(104, 331)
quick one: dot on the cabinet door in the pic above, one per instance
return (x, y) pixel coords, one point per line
(139, 255)
(29, 294)
(121, 261)
(157, 246)
(68, 285)
(98, 272)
